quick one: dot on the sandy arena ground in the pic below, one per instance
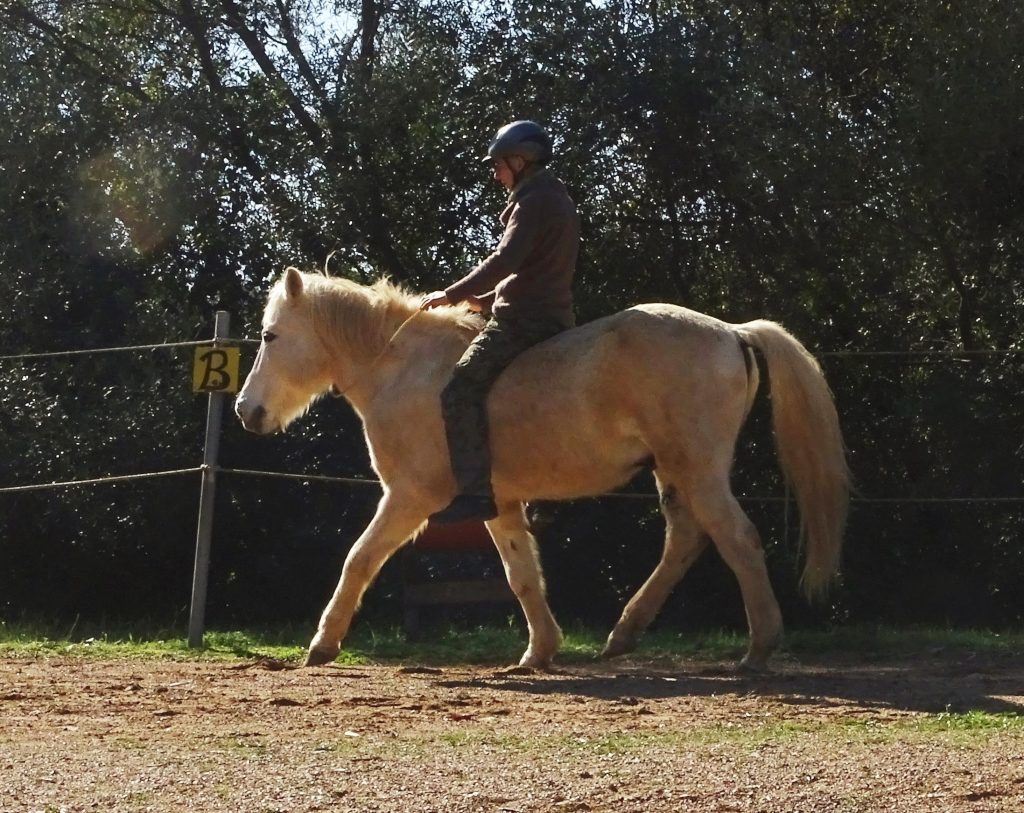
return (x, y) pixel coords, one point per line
(259, 736)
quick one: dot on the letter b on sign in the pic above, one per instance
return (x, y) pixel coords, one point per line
(215, 369)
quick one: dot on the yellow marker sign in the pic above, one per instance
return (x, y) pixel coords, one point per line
(215, 369)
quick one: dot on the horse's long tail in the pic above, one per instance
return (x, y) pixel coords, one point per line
(810, 447)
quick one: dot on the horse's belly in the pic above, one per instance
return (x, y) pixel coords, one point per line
(563, 461)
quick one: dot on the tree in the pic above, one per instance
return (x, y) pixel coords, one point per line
(853, 172)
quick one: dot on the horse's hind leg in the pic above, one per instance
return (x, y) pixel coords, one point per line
(396, 521)
(684, 542)
(719, 514)
(518, 550)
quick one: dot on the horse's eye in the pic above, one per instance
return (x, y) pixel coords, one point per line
(268, 337)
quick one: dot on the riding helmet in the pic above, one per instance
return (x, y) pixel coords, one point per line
(524, 138)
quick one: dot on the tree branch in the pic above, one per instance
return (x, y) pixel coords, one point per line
(294, 47)
(235, 137)
(235, 19)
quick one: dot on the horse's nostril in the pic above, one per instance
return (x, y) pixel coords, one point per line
(251, 419)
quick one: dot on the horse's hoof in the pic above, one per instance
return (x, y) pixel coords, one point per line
(318, 657)
(617, 646)
(533, 662)
(752, 667)
(513, 671)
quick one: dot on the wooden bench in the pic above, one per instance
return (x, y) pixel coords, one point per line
(437, 541)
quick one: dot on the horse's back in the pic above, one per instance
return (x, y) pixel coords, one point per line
(600, 397)
(644, 340)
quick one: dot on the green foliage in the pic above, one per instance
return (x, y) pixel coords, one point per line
(853, 171)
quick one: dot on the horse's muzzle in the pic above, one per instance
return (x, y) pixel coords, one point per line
(252, 417)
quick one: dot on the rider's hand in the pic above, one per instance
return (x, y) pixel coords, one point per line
(437, 299)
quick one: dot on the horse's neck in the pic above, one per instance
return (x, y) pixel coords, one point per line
(414, 352)
(427, 343)
(363, 329)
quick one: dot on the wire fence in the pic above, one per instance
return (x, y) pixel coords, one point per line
(210, 470)
(947, 355)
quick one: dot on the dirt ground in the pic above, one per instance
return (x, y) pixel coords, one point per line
(87, 735)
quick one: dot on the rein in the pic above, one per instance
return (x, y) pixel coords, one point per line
(340, 393)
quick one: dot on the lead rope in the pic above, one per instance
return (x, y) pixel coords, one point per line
(339, 393)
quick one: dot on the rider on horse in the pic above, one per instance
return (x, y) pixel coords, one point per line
(526, 285)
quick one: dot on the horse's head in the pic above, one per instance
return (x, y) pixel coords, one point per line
(292, 367)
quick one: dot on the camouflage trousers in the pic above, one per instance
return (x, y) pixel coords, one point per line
(464, 399)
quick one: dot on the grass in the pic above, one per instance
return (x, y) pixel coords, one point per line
(908, 642)
(962, 730)
(493, 644)
(144, 642)
(970, 722)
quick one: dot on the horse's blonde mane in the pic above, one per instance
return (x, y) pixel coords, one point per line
(365, 317)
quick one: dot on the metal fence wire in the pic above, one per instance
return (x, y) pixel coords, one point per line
(210, 467)
(908, 355)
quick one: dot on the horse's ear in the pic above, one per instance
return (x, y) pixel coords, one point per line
(292, 282)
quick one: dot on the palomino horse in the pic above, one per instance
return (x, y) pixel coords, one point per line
(580, 414)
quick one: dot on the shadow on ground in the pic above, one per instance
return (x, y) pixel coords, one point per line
(942, 686)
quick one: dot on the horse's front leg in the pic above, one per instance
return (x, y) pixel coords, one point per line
(395, 522)
(518, 550)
